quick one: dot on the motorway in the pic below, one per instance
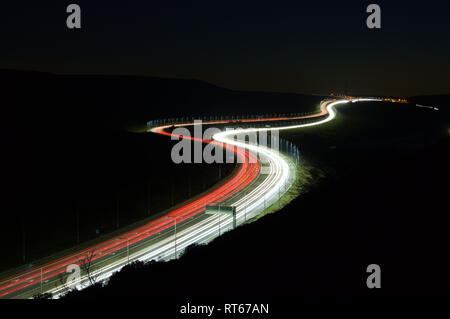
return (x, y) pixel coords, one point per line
(250, 190)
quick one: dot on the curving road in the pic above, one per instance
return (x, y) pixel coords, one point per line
(250, 191)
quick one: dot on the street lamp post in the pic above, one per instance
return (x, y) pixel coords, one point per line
(128, 244)
(175, 238)
(128, 251)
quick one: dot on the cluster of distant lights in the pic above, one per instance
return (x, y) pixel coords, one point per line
(382, 99)
(385, 99)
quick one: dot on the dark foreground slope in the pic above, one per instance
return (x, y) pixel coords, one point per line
(384, 200)
(72, 169)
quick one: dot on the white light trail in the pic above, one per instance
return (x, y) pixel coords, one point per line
(206, 229)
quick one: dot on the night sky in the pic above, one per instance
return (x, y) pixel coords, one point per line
(310, 47)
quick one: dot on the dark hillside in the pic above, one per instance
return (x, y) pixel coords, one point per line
(71, 160)
(383, 201)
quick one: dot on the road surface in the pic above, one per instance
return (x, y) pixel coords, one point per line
(249, 190)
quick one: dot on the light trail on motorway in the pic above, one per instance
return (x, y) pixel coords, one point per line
(248, 171)
(201, 231)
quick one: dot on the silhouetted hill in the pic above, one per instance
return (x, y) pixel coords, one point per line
(121, 100)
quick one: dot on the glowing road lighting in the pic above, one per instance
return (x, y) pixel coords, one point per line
(280, 163)
(198, 231)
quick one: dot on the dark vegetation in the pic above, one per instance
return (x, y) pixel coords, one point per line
(384, 200)
(72, 155)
